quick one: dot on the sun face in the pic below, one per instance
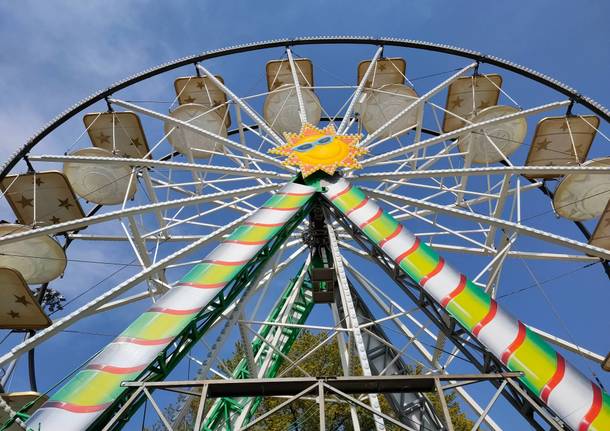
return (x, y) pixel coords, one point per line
(316, 149)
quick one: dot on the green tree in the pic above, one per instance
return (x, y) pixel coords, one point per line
(302, 415)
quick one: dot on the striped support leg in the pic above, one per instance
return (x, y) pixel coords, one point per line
(578, 401)
(80, 401)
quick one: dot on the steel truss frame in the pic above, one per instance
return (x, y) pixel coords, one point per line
(518, 395)
(301, 306)
(341, 387)
(411, 408)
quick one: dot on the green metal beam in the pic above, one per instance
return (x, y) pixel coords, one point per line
(223, 408)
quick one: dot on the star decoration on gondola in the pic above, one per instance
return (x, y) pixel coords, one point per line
(65, 203)
(21, 300)
(315, 149)
(26, 202)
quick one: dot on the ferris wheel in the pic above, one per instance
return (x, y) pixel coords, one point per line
(411, 200)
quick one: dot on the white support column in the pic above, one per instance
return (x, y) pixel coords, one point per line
(423, 350)
(352, 321)
(344, 357)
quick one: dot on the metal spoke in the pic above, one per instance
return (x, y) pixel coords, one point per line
(352, 320)
(371, 161)
(369, 139)
(508, 225)
(88, 221)
(243, 105)
(224, 141)
(356, 95)
(95, 304)
(496, 170)
(151, 163)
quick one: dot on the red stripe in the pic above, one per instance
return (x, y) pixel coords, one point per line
(238, 241)
(596, 407)
(357, 207)
(76, 408)
(409, 251)
(174, 311)
(143, 341)
(281, 209)
(493, 308)
(555, 379)
(515, 344)
(455, 292)
(392, 236)
(342, 192)
(115, 370)
(226, 262)
(202, 285)
(252, 223)
(436, 270)
(372, 219)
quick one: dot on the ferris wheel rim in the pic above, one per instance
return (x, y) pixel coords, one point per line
(480, 58)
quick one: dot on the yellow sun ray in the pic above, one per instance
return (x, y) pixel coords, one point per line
(315, 149)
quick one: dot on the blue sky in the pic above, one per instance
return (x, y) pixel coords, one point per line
(55, 53)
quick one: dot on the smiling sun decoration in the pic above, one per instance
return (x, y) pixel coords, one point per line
(316, 149)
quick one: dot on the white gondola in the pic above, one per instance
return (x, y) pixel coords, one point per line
(583, 196)
(186, 141)
(101, 183)
(382, 104)
(281, 108)
(279, 73)
(493, 143)
(39, 259)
